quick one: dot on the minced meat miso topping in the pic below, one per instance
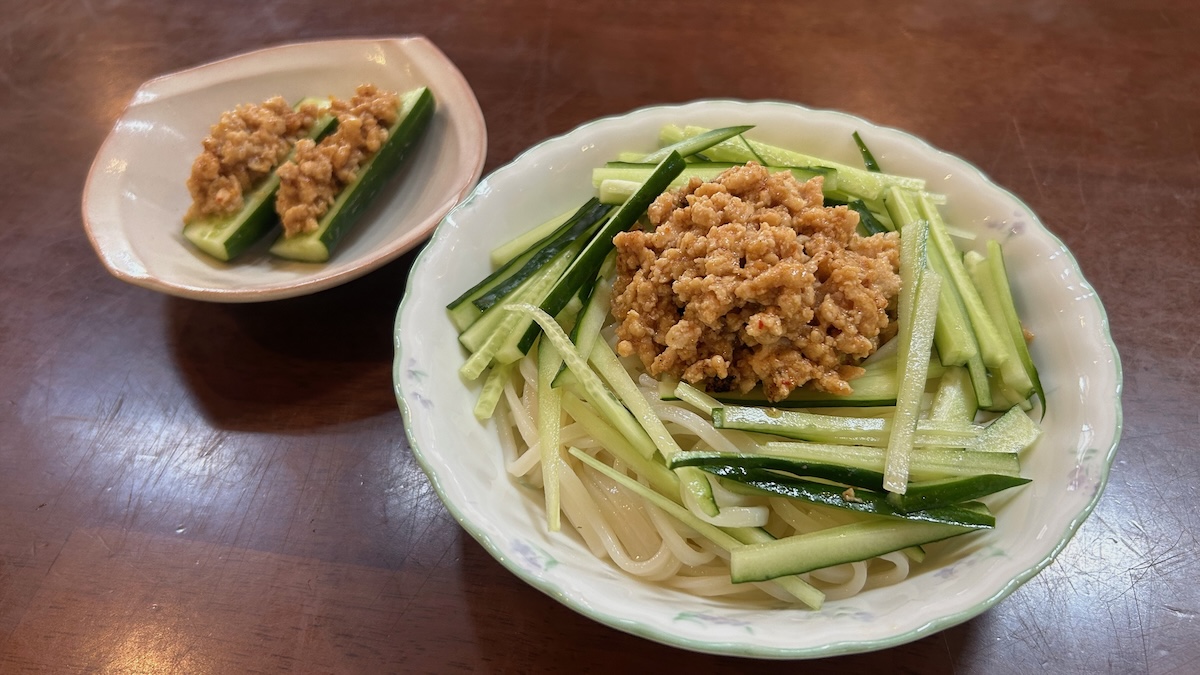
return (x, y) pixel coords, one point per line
(241, 149)
(750, 279)
(313, 178)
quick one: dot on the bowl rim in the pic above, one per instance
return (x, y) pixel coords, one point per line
(121, 264)
(835, 648)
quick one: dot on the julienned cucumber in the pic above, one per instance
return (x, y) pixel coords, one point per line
(823, 548)
(416, 111)
(225, 238)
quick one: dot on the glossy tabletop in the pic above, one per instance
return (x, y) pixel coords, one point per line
(210, 488)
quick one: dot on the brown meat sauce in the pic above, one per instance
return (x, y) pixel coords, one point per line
(311, 181)
(749, 279)
(240, 151)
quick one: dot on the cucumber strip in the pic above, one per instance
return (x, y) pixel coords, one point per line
(1012, 372)
(919, 294)
(512, 347)
(1016, 332)
(617, 192)
(609, 367)
(549, 404)
(705, 171)
(568, 233)
(746, 143)
(688, 147)
(614, 442)
(912, 386)
(496, 329)
(587, 264)
(867, 220)
(799, 588)
(954, 400)
(868, 158)
(953, 336)
(586, 330)
(523, 242)
(872, 431)
(481, 359)
(876, 388)
(980, 382)
(598, 395)
(696, 398)
(948, 263)
(227, 237)
(489, 395)
(858, 500)
(991, 347)
(925, 463)
(824, 548)
(854, 181)
(463, 311)
(1012, 432)
(415, 112)
(934, 495)
(533, 289)
(847, 475)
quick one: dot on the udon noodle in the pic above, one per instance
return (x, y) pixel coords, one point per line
(646, 543)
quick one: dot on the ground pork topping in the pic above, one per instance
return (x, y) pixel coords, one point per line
(241, 149)
(750, 279)
(312, 179)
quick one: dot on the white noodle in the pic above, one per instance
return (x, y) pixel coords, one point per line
(724, 497)
(677, 543)
(695, 424)
(732, 516)
(574, 492)
(898, 570)
(520, 414)
(851, 587)
(504, 430)
(527, 461)
(645, 542)
(625, 516)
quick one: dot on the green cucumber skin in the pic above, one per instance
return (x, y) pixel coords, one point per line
(355, 198)
(926, 495)
(825, 548)
(248, 226)
(856, 500)
(841, 473)
(229, 237)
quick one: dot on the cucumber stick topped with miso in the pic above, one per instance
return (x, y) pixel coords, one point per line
(311, 169)
(234, 182)
(318, 203)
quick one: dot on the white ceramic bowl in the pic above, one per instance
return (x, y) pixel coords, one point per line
(1079, 368)
(136, 193)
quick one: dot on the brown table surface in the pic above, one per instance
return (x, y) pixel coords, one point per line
(196, 487)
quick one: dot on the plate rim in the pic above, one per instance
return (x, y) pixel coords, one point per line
(741, 649)
(125, 267)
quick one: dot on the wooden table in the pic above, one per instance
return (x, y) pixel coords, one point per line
(195, 487)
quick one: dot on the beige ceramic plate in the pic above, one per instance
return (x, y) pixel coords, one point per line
(136, 194)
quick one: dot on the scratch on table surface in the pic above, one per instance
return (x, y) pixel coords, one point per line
(426, 574)
(1083, 201)
(1025, 153)
(304, 483)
